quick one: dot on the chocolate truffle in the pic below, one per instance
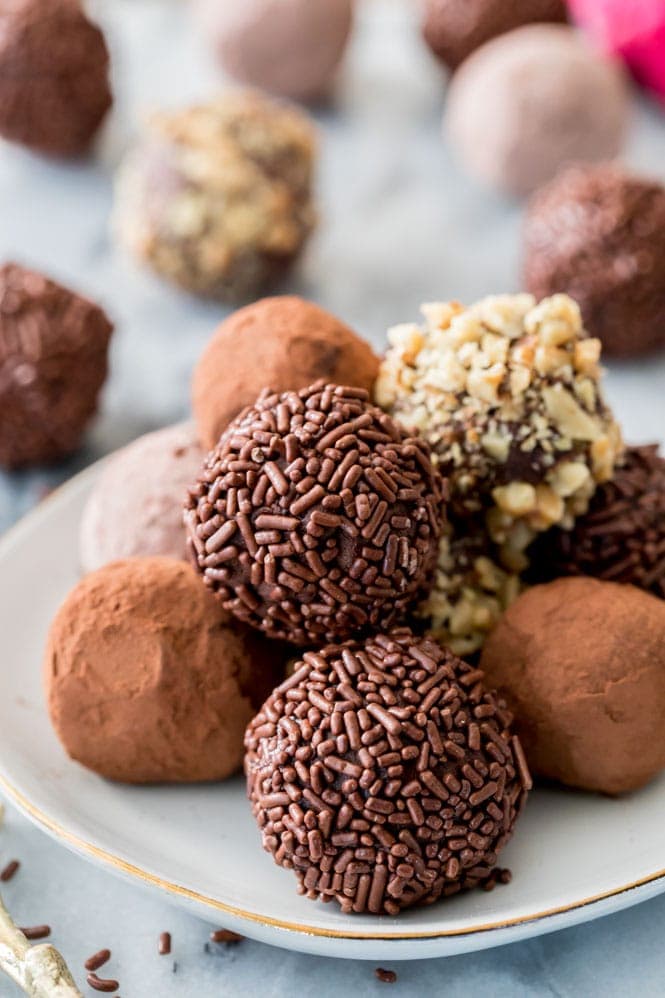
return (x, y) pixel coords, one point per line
(54, 67)
(288, 47)
(148, 680)
(283, 342)
(384, 774)
(453, 29)
(622, 537)
(532, 100)
(507, 392)
(471, 588)
(316, 517)
(135, 507)
(598, 233)
(582, 664)
(53, 363)
(218, 198)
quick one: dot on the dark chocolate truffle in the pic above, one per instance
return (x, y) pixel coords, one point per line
(598, 233)
(218, 197)
(54, 66)
(53, 363)
(316, 517)
(582, 664)
(148, 680)
(622, 537)
(283, 342)
(454, 28)
(384, 774)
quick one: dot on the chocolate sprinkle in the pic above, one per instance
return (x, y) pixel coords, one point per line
(100, 984)
(385, 976)
(622, 537)
(165, 944)
(36, 931)
(9, 871)
(98, 959)
(225, 936)
(384, 774)
(316, 517)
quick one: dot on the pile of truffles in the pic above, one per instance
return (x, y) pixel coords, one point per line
(369, 544)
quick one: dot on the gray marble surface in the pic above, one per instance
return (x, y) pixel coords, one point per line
(400, 225)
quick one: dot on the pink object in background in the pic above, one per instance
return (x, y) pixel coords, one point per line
(632, 29)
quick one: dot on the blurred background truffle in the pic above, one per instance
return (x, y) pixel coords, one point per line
(453, 29)
(53, 363)
(218, 197)
(598, 233)
(622, 536)
(532, 100)
(135, 507)
(148, 680)
(54, 69)
(582, 665)
(297, 343)
(290, 48)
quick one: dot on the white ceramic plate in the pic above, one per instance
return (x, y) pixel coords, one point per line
(574, 857)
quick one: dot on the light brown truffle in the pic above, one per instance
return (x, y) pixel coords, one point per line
(283, 342)
(147, 678)
(582, 664)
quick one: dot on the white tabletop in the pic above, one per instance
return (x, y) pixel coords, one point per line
(400, 225)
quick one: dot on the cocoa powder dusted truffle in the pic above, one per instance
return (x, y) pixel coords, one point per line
(507, 393)
(598, 233)
(582, 664)
(53, 363)
(316, 517)
(453, 29)
(384, 774)
(297, 342)
(54, 66)
(218, 197)
(622, 536)
(148, 680)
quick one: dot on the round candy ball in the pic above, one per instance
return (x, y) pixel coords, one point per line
(316, 517)
(135, 507)
(53, 363)
(148, 680)
(508, 394)
(622, 537)
(582, 664)
(598, 233)
(384, 774)
(532, 100)
(297, 342)
(54, 68)
(453, 29)
(218, 198)
(289, 47)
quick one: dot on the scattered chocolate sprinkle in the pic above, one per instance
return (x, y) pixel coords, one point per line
(385, 976)
(165, 944)
(384, 774)
(225, 936)
(9, 871)
(622, 537)
(98, 959)
(36, 931)
(316, 517)
(108, 986)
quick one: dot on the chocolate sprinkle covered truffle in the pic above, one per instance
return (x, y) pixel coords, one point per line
(316, 517)
(218, 198)
(622, 537)
(507, 393)
(54, 67)
(598, 233)
(454, 28)
(53, 363)
(384, 774)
